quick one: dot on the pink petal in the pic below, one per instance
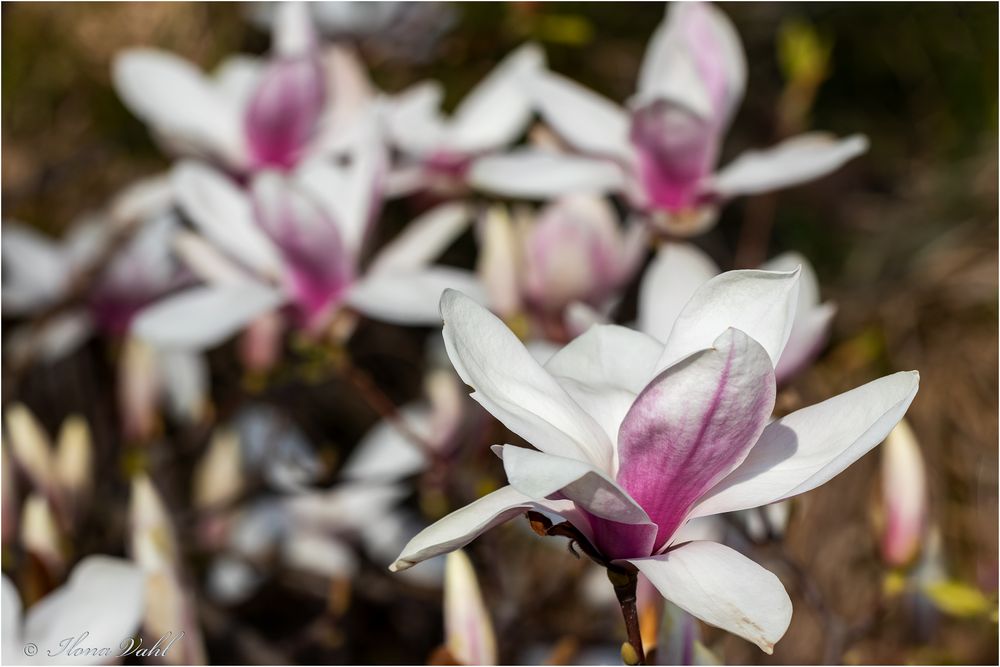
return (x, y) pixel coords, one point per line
(283, 113)
(693, 425)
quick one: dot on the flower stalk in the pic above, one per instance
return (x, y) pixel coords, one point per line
(624, 582)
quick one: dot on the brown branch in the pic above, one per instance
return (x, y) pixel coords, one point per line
(624, 582)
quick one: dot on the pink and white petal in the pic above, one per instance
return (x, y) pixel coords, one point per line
(793, 161)
(543, 477)
(424, 239)
(671, 279)
(179, 102)
(497, 110)
(224, 214)
(581, 316)
(587, 121)
(723, 588)
(237, 77)
(292, 34)
(759, 303)
(463, 525)
(206, 262)
(412, 297)
(810, 446)
(205, 316)
(499, 263)
(809, 334)
(535, 174)
(514, 388)
(693, 425)
(469, 632)
(83, 605)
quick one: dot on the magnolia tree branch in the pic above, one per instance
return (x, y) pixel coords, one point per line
(624, 582)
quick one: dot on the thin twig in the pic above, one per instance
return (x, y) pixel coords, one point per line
(624, 582)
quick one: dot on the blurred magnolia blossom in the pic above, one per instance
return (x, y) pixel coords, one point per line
(102, 602)
(638, 436)
(537, 268)
(254, 113)
(679, 269)
(469, 636)
(170, 603)
(661, 152)
(293, 242)
(903, 516)
(438, 151)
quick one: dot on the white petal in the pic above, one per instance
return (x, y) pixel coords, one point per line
(761, 304)
(468, 630)
(793, 161)
(178, 101)
(424, 239)
(499, 261)
(413, 118)
(203, 317)
(540, 475)
(10, 602)
(587, 121)
(206, 261)
(292, 33)
(463, 525)
(723, 588)
(534, 174)
(511, 385)
(35, 270)
(184, 375)
(85, 604)
(224, 214)
(498, 109)
(671, 279)
(237, 76)
(386, 455)
(412, 297)
(810, 446)
(809, 335)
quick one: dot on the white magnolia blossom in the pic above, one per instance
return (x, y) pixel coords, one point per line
(661, 151)
(438, 150)
(253, 113)
(294, 241)
(104, 597)
(679, 269)
(636, 437)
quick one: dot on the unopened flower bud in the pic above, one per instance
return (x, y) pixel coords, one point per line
(904, 496)
(468, 630)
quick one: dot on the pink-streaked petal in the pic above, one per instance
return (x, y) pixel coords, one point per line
(534, 174)
(284, 111)
(587, 121)
(793, 161)
(723, 588)
(514, 388)
(807, 448)
(463, 525)
(224, 214)
(468, 629)
(671, 279)
(904, 496)
(693, 425)
(758, 303)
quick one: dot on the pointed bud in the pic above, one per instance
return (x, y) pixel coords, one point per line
(468, 630)
(499, 261)
(218, 478)
(74, 458)
(904, 496)
(152, 535)
(284, 111)
(447, 401)
(138, 389)
(40, 533)
(260, 345)
(30, 446)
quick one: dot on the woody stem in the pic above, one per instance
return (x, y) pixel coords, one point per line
(624, 583)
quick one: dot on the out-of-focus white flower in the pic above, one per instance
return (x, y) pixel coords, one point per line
(468, 629)
(218, 477)
(170, 606)
(662, 151)
(294, 241)
(102, 601)
(679, 269)
(40, 534)
(253, 113)
(573, 252)
(615, 410)
(904, 497)
(439, 150)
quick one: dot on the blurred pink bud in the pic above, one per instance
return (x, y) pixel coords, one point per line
(284, 111)
(40, 534)
(904, 494)
(138, 389)
(468, 630)
(260, 346)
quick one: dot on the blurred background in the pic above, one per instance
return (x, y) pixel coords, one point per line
(903, 239)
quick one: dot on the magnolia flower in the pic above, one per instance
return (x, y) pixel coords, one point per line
(254, 113)
(635, 437)
(438, 151)
(572, 252)
(102, 601)
(904, 497)
(662, 151)
(679, 269)
(294, 241)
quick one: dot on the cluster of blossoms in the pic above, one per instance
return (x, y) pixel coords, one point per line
(262, 226)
